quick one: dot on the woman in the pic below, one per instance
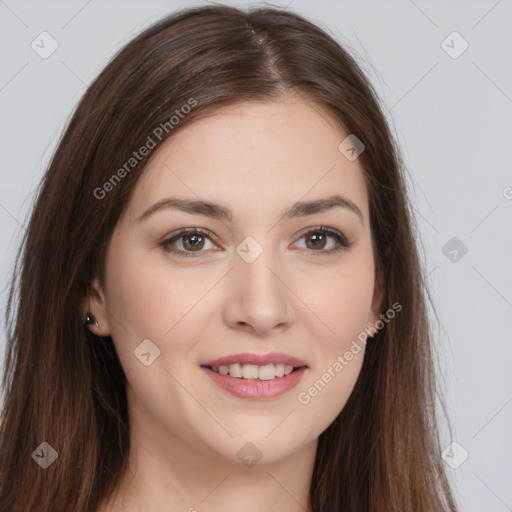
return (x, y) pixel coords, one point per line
(221, 303)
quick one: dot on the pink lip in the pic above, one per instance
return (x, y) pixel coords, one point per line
(260, 360)
(255, 388)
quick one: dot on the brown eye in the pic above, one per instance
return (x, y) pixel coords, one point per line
(319, 238)
(193, 242)
(189, 242)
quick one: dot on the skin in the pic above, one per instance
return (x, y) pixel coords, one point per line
(257, 159)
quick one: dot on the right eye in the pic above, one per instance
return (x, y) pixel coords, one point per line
(192, 241)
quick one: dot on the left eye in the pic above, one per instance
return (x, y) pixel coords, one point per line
(318, 240)
(192, 241)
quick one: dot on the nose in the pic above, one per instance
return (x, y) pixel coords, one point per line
(258, 298)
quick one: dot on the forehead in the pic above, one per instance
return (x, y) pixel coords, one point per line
(257, 156)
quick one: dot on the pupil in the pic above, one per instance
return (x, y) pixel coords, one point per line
(317, 239)
(194, 240)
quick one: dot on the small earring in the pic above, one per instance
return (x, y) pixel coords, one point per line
(90, 320)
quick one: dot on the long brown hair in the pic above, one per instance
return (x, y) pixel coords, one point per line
(64, 387)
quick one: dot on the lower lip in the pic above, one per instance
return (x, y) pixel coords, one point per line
(255, 388)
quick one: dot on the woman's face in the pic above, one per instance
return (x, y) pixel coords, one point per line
(259, 288)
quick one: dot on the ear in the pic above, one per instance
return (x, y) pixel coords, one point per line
(377, 300)
(96, 305)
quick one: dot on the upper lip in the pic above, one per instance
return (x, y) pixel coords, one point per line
(257, 359)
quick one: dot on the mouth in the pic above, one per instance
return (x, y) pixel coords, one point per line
(255, 376)
(255, 372)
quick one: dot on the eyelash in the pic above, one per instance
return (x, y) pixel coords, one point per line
(340, 239)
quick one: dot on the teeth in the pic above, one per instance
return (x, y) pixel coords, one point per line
(249, 371)
(235, 370)
(267, 372)
(253, 371)
(279, 370)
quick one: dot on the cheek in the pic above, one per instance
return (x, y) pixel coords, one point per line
(152, 301)
(146, 298)
(340, 347)
(343, 304)
(342, 300)
(152, 313)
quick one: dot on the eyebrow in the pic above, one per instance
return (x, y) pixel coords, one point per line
(217, 211)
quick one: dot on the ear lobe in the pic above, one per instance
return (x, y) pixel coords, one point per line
(96, 305)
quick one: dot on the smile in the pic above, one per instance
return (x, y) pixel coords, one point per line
(256, 376)
(253, 371)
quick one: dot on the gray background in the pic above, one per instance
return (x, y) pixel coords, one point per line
(451, 116)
